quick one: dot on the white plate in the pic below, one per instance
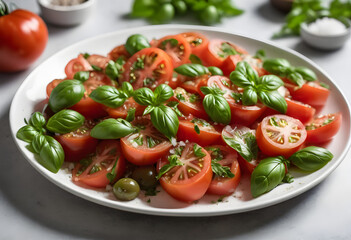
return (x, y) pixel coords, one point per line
(32, 92)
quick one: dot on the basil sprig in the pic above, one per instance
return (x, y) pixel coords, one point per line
(311, 158)
(135, 43)
(258, 88)
(215, 105)
(282, 68)
(66, 94)
(163, 117)
(65, 121)
(115, 68)
(112, 129)
(110, 96)
(33, 127)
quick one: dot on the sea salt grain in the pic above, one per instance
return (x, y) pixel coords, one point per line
(326, 27)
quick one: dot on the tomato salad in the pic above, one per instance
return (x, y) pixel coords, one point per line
(186, 112)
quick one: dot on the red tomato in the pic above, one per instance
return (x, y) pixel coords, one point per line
(78, 144)
(149, 67)
(189, 103)
(230, 63)
(146, 146)
(218, 50)
(177, 47)
(280, 135)
(198, 42)
(122, 111)
(189, 181)
(98, 61)
(117, 52)
(207, 135)
(311, 93)
(23, 38)
(93, 170)
(323, 128)
(255, 63)
(76, 65)
(191, 84)
(225, 156)
(52, 85)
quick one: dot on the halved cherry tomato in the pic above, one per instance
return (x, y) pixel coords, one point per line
(149, 67)
(117, 52)
(198, 42)
(189, 103)
(218, 50)
(122, 111)
(189, 181)
(177, 47)
(146, 146)
(225, 156)
(207, 134)
(76, 65)
(280, 135)
(323, 128)
(78, 144)
(93, 170)
(98, 61)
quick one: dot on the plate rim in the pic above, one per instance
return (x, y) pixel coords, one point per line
(169, 211)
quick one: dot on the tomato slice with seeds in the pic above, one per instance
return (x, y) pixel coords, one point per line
(177, 47)
(198, 42)
(98, 60)
(93, 170)
(280, 135)
(192, 84)
(122, 111)
(76, 65)
(224, 156)
(149, 67)
(323, 128)
(147, 145)
(190, 180)
(117, 52)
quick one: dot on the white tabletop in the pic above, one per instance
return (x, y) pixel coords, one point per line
(31, 207)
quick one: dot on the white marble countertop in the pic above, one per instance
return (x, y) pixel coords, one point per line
(31, 207)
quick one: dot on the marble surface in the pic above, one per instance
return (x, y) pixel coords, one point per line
(31, 207)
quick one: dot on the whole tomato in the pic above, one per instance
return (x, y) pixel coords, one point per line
(23, 37)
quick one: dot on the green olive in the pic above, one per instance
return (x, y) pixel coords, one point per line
(126, 189)
(145, 176)
(209, 15)
(164, 13)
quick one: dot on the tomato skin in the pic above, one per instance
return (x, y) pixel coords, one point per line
(117, 52)
(76, 65)
(122, 111)
(230, 63)
(272, 148)
(23, 38)
(326, 132)
(192, 85)
(98, 60)
(191, 189)
(196, 49)
(226, 186)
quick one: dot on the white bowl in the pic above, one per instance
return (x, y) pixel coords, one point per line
(66, 15)
(324, 42)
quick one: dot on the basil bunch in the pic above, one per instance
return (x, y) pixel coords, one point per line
(163, 117)
(112, 97)
(282, 68)
(258, 88)
(197, 69)
(49, 153)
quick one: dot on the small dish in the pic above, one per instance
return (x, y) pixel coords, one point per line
(325, 42)
(66, 15)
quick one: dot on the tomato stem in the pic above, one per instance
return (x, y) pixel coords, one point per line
(4, 10)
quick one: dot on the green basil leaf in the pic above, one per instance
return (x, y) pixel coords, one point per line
(109, 96)
(215, 71)
(65, 121)
(270, 83)
(191, 70)
(127, 88)
(249, 97)
(273, 100)
(173, 161)
(217, 107)
(148, 109)
(195, 59)
(277, 66)
(306, 73)
(295, 78)
(112, 129)
(244, 75)
(165, 120)
(162, 93)
(111, 176)
(268, 174)
(37, 120)
(135, 43)
(131, 115)
(212, 90)
(221, 171)
(113, 70)
(311, 158)
(27, 133)
(198, 151)
(49, 152)
(144, 96)
(260, 54)
(82, 76)
(66, 94)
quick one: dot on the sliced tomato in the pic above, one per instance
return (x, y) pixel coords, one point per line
(224, 156)
(98, 61)
(149, 67)
(218, 50)
(229, 64)
(76, 65)
(198, 131)
(280, 135)
(189, 181)
(93, 170)
(122, 111)
(52, 85)
(117, 52)
(323, 128)
(189, 103)
(311, 93)
(147, 145)
(177, 47)
(192, 84)
(198, 42)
